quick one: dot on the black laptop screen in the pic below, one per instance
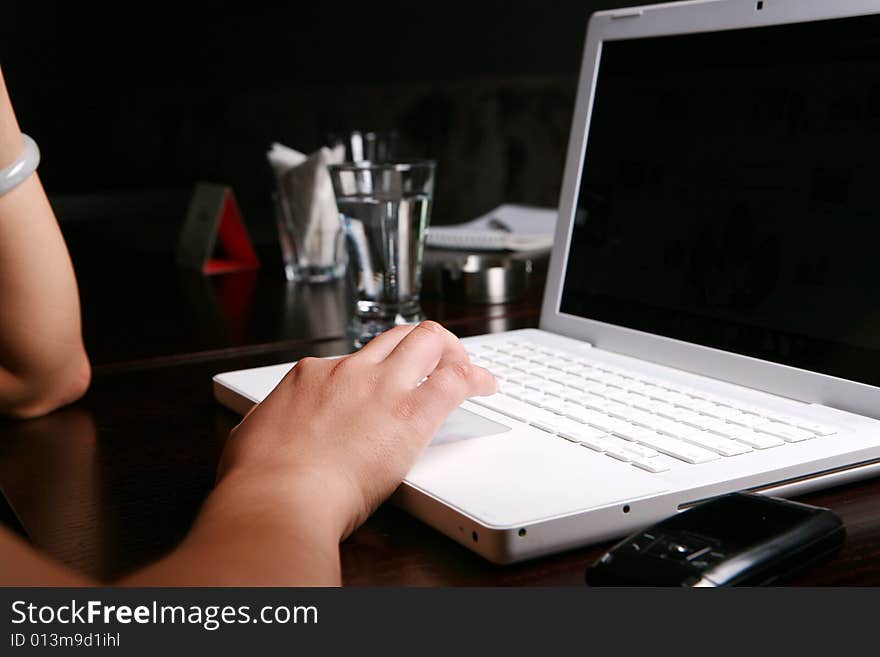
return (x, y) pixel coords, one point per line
(730, 194)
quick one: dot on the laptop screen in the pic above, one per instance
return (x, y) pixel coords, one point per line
(730, 194)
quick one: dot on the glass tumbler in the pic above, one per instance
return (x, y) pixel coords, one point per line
(385, 209)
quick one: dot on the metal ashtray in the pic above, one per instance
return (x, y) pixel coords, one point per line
(477, 277)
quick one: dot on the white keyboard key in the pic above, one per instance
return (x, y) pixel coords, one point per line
(571, 430)
(595, 376)
(622, 454)
(615, 442)
(714, 443)
(617, 409)
(577, 432)
(554, 404)
(784, 418)
(577, 412)
(608, 424)
(753, 409)
(573, 396)
(616, 380)
(729, 430)
(678, 449)
(720, 427)
(670, 427)
(703, 406)
(558, 376)
(618, 395)
(535, 399)
(596, 389)
(680, 414)
(650, 405)
(595, 402)
(570, 380)
(549, 421)
(720, 412)
(628, 413)
(507, 406)
(748, 419)
(680, 399)
(546, 420)
(644, 418)
(640, 451)
(632, 432)
(503, 359)
(597, 443)
(651, 465)
(712, 398)
(788, 433)
(632, 398)
(755, 439)
(650, 380)
(521, 393)
(701, 421)
(662, 394)
(581, 386)
(533, 382)
(510, 388)
(551, 388)
(815, 427)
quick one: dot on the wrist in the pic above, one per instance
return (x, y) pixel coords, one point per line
(253, 531)
(296, 499)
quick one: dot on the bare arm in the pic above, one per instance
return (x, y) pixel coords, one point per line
(308, 465)
(43, 364)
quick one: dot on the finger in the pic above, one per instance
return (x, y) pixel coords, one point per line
(427, 347)
(377, 349)
(448, 387)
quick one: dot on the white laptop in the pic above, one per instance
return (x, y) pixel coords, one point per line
(711, 320)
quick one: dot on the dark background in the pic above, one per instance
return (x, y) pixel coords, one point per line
(133, 104)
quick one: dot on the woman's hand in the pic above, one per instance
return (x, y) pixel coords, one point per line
(348, 430)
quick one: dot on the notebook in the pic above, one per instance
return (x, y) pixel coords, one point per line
(508, 227)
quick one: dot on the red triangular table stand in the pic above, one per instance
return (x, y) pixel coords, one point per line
(214, 239)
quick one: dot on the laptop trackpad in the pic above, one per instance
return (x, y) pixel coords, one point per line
(464, 425)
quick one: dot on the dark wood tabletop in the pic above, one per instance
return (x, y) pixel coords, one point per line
(116, 480)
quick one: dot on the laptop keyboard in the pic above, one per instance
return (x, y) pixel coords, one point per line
(648, 422)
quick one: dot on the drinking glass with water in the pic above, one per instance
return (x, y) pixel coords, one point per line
(385, 209)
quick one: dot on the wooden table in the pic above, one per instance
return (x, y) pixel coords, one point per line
(115, 481)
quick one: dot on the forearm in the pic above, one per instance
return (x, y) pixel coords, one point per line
(255, 532)
(11, 142)
(42, 360)
(250, 532)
